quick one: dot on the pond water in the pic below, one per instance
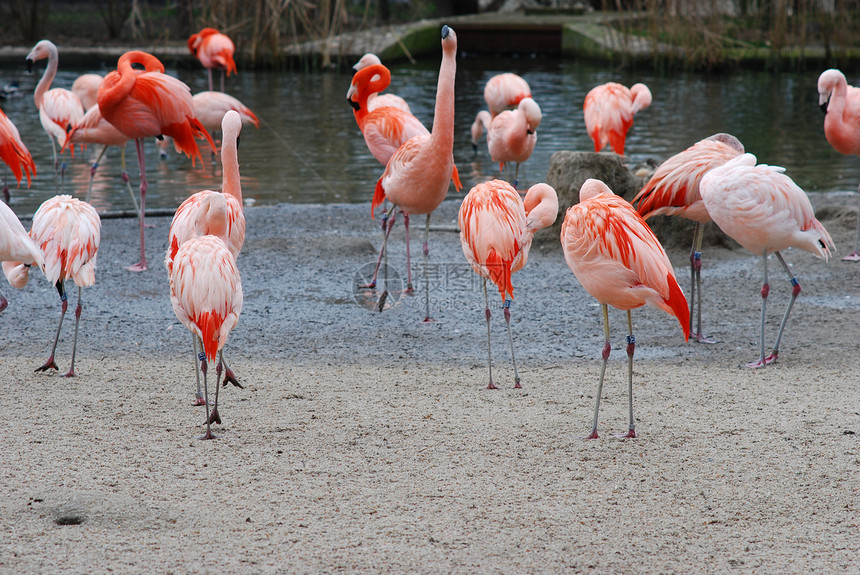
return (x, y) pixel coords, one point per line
(308, 148)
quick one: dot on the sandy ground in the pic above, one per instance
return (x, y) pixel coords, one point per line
(366, 442)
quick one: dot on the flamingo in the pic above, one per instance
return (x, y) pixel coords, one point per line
(206, 291)
(609, 110)
(512, 135)
(86, 88)
(619, 261)
(417, 176)
(765, 212)
(504, 91)
(185, 220)
(377, 100)
(841, 106)
(673, 190)
(14, 153)
(496, 231)
(215, 51)
(148, 103)
(58, 108)
(17, 251)
(68, 232)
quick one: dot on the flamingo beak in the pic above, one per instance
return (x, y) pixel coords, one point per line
(29, 65)
(823, 100)
(445, 31)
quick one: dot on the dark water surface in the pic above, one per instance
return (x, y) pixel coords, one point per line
(308, 148)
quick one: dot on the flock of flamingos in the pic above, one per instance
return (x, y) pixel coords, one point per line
(606, 241)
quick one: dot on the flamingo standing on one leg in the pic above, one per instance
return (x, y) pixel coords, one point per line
(144, 104)
(215, 51)
(512, 135)
(673, 190)
(609, 110)
(17, 251)
(504, 91)
(417, 176)
(58, 108)
(68, 232)
(186, 220)
(496, 231)
(618, 260)
(206, 292)
(14, 153)
(377, 100)
(841, 105)
(766, 212)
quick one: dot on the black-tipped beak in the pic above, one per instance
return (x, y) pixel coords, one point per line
(29, 65)
(354, 104)
(823, 106)
(445, 31)
(530, 132)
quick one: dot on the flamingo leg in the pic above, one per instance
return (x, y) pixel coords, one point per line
(49, 363)
(4, 303)
(387, 224)
(631, 347)
(696, 288)
(765, 290)
(516, 175)
(215, 417)
(78, 309)
(127, 180)
(198, 396)
(141, 265)
(488, 314)
(229, 375)
(854, 256)
(383, 253)
(204, 367)
(426, 250)
(209, 72)
(409, 288)
(507, 308)
(607, 347)
(795, 291)
(93, 169)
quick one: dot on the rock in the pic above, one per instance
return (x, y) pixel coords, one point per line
(569, 170)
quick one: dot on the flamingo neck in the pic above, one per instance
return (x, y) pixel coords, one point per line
(231, 183)
(443, 115)
(47, 77)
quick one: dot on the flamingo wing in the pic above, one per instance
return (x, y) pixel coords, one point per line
(608, 113)
(13, 151)
(68, 232)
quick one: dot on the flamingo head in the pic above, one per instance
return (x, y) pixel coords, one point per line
(641, 97)
(369, 80)
(449, 40)
(541, 206)
(366, 60)
(728, 140)
(827, 82)
(532, 112)
(40, 51)
(591, 188)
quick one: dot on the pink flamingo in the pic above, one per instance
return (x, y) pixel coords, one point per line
(673, 190)
(417, 176)
(765, 212)
(68, 233)
(17, 251)
(619, 261)
(504, 91)
(206, 291)
(58, 108)
(377, 100)
(14, 153)
(187, 217)
(215, 51)
(86, 88)
(512, 135)
(841, 105)
(496, 231)
(148, 103)
(609, 110)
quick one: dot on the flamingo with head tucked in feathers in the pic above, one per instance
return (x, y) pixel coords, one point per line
(609, 110)
(511, 135)
(673, 190)
(765, 212)
(496, 231)
(619, 261)
(215, 51)
(147, 103)
(504, 91)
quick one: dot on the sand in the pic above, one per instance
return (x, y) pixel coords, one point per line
(366, 442)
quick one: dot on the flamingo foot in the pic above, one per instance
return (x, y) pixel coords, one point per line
(852, 257)
(771, 358)
(230, 377)
(198, 401)
(592, 435)
(70, 373)
(517, 384)
(371, 285)
(208, 435)
(409, 290)
(629, 435)
(50, 364)
(4, 303)
(492, 386)
(701, 338)
(429, 319)
(138, 267)
(215, 417)
(381, 304)
(756, 364)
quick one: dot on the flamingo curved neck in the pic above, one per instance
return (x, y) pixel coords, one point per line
(443, 114)
(47, 77)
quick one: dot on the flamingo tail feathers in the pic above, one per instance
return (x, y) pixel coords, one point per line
(209, 323)
(678, 304)
(378, 197)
